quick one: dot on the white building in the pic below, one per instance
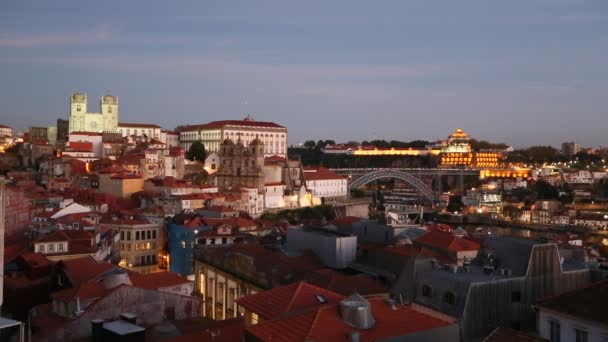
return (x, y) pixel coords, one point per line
(5, 131)
(273, 136)
(139, 129)
(96, 140)
(169, 138)
(324, 183)
(575, 316)
(82, 121)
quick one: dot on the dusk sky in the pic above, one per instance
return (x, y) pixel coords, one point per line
(519, 71)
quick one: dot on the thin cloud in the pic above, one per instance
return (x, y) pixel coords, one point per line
(100, 35)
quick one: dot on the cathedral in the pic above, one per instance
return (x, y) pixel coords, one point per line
(83, 121)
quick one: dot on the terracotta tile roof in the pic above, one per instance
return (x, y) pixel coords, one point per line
(80, 146)
(346, 220)
(155, 281)
(320, 173)
(126, 176)
(86, 133)
(346, 284)
(84, 291)
(509, 335)
(587, 303)
(239, 222)
(273, 266)
(325, 324)
(279, 301)
(36, 260)
(137, 125)
(80, 270)
(447, 241)
(113, 169)
(224, 123)
(66, 235)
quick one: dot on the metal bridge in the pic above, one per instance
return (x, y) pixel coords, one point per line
(411, 176)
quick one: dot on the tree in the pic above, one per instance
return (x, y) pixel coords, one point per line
(197, 152)
(310, 144)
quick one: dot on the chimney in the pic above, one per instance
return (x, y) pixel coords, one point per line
(78, 310)
(129, 317)
(97, 330)
(392, 304)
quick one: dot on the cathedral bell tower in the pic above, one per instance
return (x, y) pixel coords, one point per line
(78, 110)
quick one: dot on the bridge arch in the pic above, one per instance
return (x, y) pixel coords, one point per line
(404, 176)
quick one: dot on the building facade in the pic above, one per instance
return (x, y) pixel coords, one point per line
(272, 135)
(82, 120)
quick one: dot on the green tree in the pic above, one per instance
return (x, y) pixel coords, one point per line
(310, 144)
(197, 152)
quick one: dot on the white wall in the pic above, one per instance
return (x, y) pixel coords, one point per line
(596, 332)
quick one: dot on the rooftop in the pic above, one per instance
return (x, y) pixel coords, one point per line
(325, 324)
(588, 303)
(282, 300)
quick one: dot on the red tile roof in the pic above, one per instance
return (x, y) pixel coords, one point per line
(346, 284)
(126, 176)
(224, 123)
(587, 303)
(80, 146)
(36, 260)
(86, 133)
(80, 270)
(84, 291)
(137, 125)
(502, 334)
(320, 173)
(155, 281)
(113, 169)
(447, 241)
(272, 304)
(66, 235)
(325, 324)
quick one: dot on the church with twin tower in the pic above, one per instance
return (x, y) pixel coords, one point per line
(83, 121)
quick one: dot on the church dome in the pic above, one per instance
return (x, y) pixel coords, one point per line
(256, 141)
(79, 97)
(109, 99)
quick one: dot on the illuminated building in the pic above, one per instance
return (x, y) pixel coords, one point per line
(456, 151)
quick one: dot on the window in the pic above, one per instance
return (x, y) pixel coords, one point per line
(183, 244)
(515, 297)
(449, 298)
(254, 318)
(122, 235)
(554, 331)
(41, 248)
(142, 260)
(60, 247)
(154, 234)
(128, 235)
(149, 234)
(137, 235)
(426, 291)
(581, 335)
(51, 248)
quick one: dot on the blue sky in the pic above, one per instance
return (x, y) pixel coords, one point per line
(520, 71)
